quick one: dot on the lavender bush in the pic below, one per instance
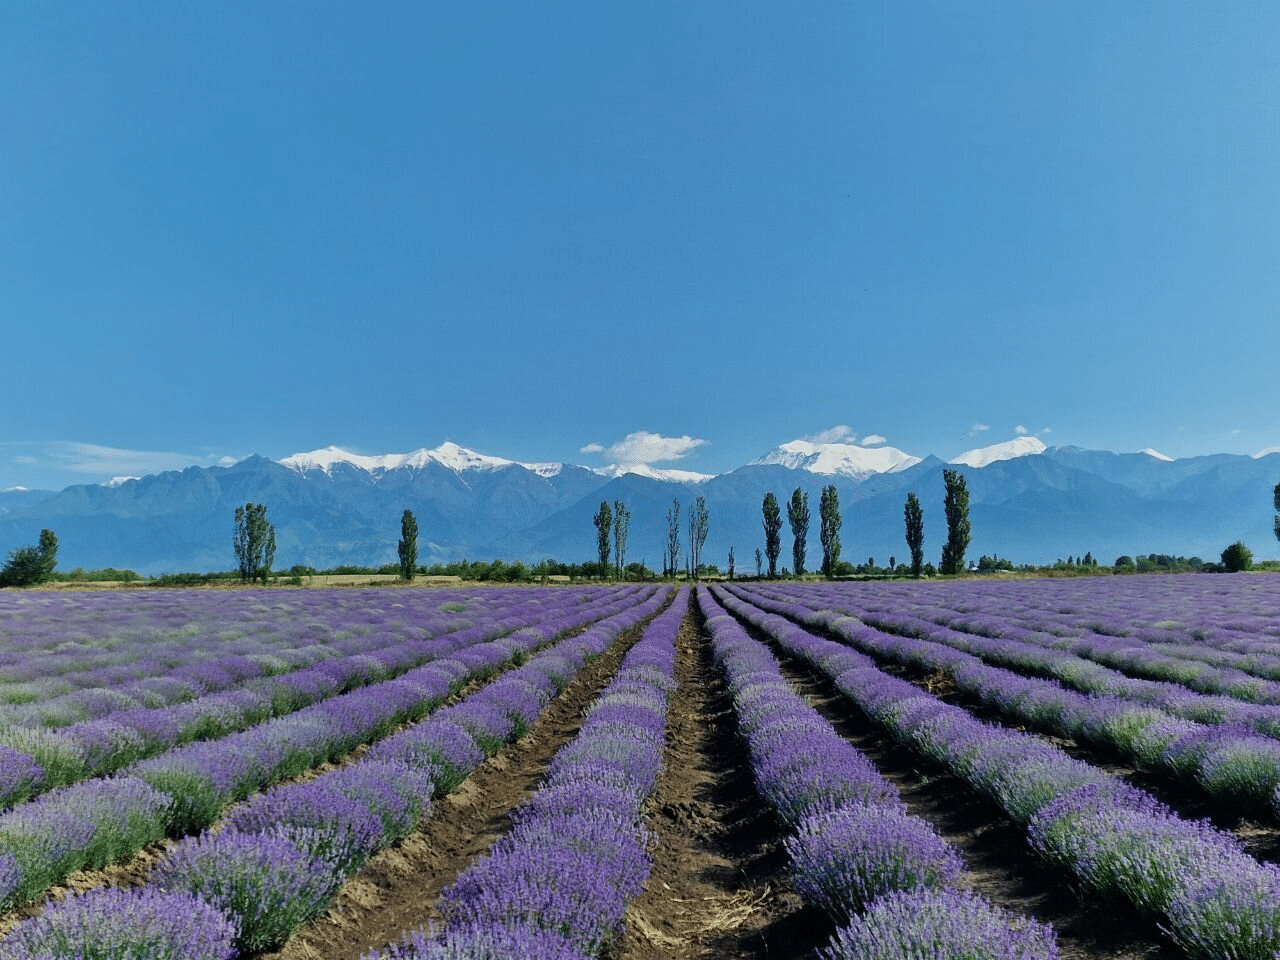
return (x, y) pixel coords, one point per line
(263, 881)
(111, 924)
(925, 924)
(843, 859)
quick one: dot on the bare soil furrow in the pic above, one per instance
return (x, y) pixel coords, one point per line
(398, 889)
(719, 886)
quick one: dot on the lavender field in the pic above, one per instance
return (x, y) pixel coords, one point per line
(976, 768)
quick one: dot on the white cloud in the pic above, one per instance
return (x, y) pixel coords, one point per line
(841, 433)
(874, 440)
(98, 461)
(979, 428)
(1020, 430)
(1265, 451)
(643, 448)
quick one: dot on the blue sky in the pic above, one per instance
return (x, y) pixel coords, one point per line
(531, 229)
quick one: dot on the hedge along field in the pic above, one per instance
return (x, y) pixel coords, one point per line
(747, 770)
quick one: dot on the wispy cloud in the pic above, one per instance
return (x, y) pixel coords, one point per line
(1020, 430)
(1265, 451)
(874, 440)
(99, 462)
(841, 433)
(643, 448)
(979, 428)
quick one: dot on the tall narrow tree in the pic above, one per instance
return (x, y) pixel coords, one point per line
(604, 529)
(798, 517)
(914, 517)
(407, 548)
(673, 536)
(772, 531)
(621, 528)
(829, 523)
(1276, 494)
(699, 525)
(254, 541)
(759, 562)
(731, 563)
(956, 505)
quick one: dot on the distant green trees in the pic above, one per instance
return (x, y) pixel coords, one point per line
(772, 531)
(699, 527)
(1237, 557)
(914, 517)
(603, 520)
(28, 566)
(672, 562)
(956, 507)
(1276, 495)
(829, 522)
(407, 548)
(254, 541)
(621, 530)
(798, 518)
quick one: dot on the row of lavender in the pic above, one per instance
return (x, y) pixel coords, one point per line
(1213, 634)
(1198, 883)
(557, 885)
(279, 859)
(228, 699)
(884, 876)
(102, 820)
(1208, 741)
(55, 646)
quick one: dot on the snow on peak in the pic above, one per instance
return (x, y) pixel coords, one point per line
(1156, 455)
(448, 454)
(119, 481)
(1009, 450)
(655, 473)
(845, 459)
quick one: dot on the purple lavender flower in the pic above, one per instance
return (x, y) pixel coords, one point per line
(320, 820)
(112, 924)
(262, 881)
(480, 941)
(843, 859)
(925, 923)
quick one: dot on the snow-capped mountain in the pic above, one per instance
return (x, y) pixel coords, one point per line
(837, 459)
(332, 506)
(448, 454)
(1009, 450)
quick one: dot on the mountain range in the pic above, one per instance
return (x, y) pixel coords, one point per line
(1028, 503)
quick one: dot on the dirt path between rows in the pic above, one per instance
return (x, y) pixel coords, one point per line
(398, 889)
(719, 885)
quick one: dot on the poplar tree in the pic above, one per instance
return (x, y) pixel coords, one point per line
(915, 533)
(798, 517)
(604, 528)
(956, 506)
(829, 523)
(699, 525)
(673, 536)
(407, 548)
(621, 527)
(1276, 494)
(254, 541)
(772, 532)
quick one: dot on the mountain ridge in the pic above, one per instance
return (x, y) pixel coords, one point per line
(332, 507)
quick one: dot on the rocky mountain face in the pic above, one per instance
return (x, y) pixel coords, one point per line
(1033, 506)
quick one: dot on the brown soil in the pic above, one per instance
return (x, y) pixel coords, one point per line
(719, 885)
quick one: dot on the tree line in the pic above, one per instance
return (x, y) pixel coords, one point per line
(254, 543)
